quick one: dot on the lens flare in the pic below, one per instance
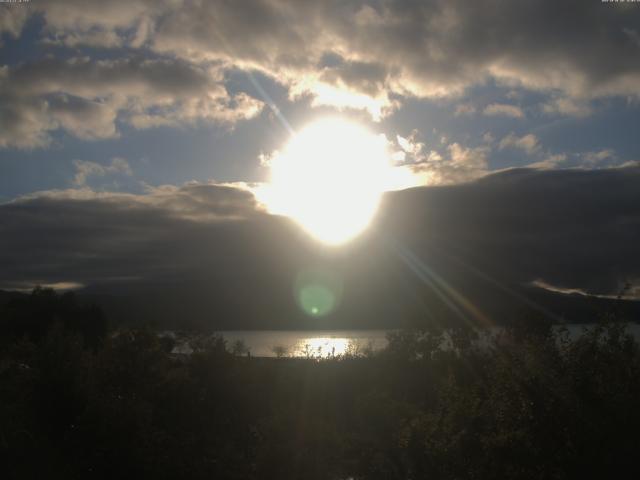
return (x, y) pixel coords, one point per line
(318, 292)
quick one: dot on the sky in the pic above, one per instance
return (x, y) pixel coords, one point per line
(170, 111)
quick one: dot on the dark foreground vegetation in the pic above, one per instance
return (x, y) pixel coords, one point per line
(79, 402)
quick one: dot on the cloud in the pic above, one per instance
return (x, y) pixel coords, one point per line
(411, 146)
(567, 106)
(366, 54)
(418, 165)
(86, 98)
(528, 143)
(495, 109)
(81, 15)
(85, 118)
(464, 109)
(12, 19)
(597, 158)
(202, 202)
(552, 161)
(347, 84)
(99, 39)
(86, 169)
(460, 165)
(488, 138)
(27, 287)
(632, 294)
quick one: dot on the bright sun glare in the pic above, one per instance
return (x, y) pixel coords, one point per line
(329, 178)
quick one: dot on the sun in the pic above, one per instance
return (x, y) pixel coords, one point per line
(329, 178)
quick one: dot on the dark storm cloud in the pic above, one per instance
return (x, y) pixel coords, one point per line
(428, 48)
(12, 21)
(572, 50)
(85, 77)
(86, 97)
(210, 247)
(368, 78)
(584, 48)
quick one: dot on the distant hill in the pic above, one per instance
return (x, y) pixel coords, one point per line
(6, 296)
(175, 309)
(433, 255)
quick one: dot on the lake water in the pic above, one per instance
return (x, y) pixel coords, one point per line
(291, 343)
(327, 343)
(299, 343)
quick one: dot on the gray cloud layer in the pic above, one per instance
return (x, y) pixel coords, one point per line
(372, 52)
(86, 97)
(426, 48)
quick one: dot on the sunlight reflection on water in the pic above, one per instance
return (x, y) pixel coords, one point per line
(321, 347)
(336, 343)
(324, 344)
